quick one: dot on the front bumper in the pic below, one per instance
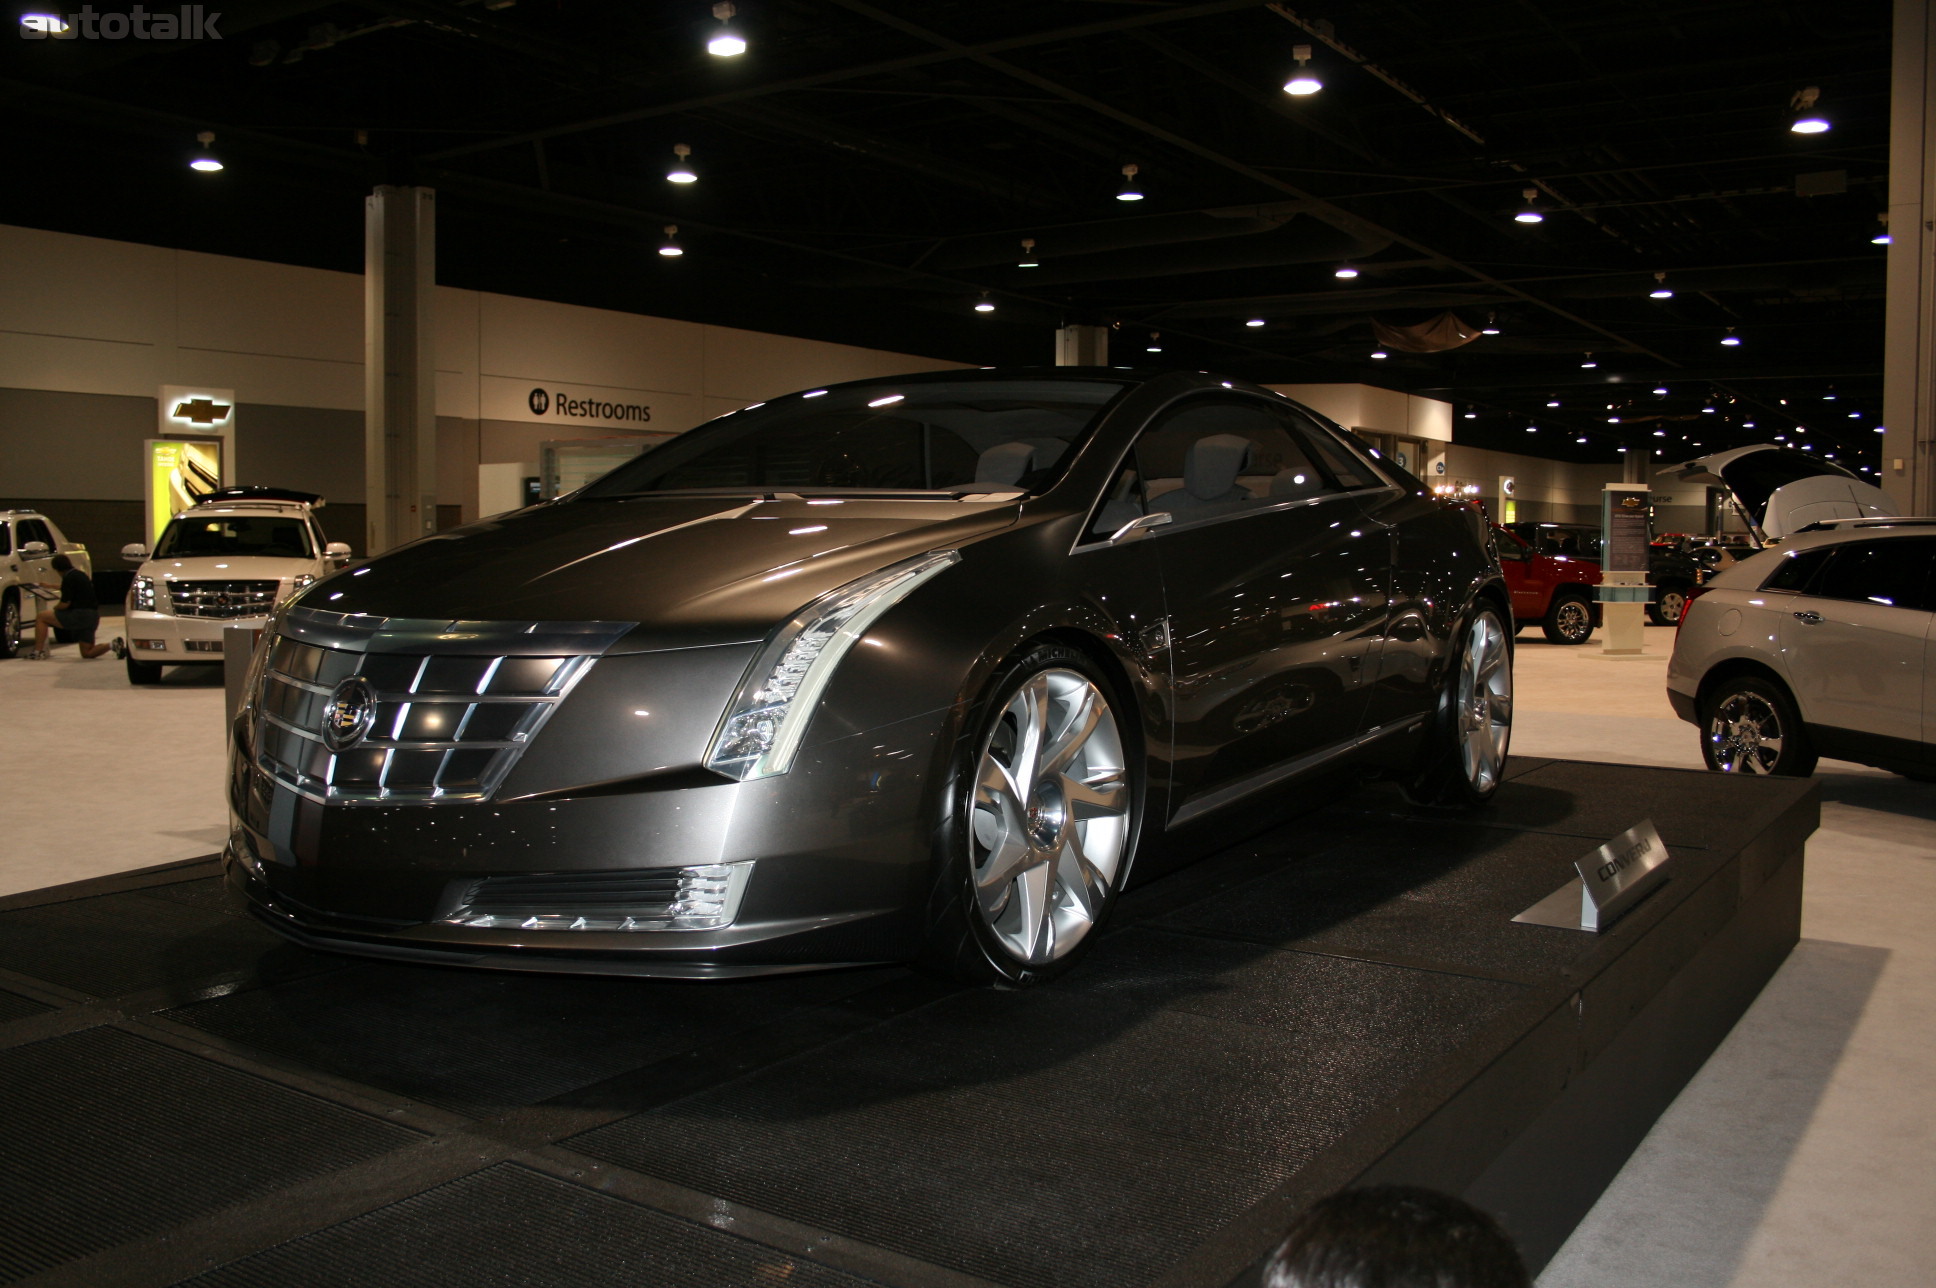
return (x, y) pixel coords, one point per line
(841, 852)
(180, 641)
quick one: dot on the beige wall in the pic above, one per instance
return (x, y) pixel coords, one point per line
(98, 320)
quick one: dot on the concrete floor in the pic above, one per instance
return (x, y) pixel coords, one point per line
(1800, 1155)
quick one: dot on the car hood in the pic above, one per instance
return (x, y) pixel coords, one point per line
(1781, 490)
(227, 568)
(690, 571)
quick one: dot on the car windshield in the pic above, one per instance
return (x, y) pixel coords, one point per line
(919, 437)
(192, 536)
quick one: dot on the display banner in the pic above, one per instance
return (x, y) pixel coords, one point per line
(1624, 528)
(575, 408)
(180, 473)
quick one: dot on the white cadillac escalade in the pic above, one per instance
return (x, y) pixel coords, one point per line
(228, 560)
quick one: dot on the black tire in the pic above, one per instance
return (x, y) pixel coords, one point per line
(1668, 605)
(10, 626)
(1750, 726)
(1447, 774)
(143, 672)
(977, 837)
(1569, 619)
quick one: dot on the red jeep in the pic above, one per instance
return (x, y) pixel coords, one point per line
(1552, 580)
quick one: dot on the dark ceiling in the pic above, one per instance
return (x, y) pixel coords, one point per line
(868, 171)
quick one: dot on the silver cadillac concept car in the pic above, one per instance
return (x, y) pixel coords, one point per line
(916, 669)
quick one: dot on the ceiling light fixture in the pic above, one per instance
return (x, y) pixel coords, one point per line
(1580, 439)
(1589, 364)
(1028, 259)
(205, 159)
(1661, 390)
(1379, 353)
(681, 171)
(726, 42)
(1303, 82)
(1492, 325)
(1132, 190)
(672, 249)
(1882, 235)
(1552, 402)
(1471, 413)
(1730, 339)
(984, 304)
(1345, 272)
(1661, 291)
(1529, 213)
(1807, 120)
(1156, 343)
(1254, 322)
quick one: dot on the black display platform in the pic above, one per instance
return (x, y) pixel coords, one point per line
(187, 1099)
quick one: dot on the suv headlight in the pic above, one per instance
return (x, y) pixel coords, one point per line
(143, 594)
(769, 712)
(298, 582)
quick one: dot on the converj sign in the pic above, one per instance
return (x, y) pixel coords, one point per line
(187, 22)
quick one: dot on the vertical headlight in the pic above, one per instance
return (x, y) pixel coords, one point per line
(769, 712)
(143, 594)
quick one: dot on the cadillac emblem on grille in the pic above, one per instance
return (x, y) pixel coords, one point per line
(348, 714)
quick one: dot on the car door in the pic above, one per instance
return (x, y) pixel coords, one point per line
(1276, 590)
(1855, 639)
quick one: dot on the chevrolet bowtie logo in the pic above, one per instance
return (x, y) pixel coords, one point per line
(202, 411)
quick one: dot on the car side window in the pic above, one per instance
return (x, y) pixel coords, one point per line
(1346, 467)
(1894, 573)
(35, 530)
(1797, 569)
(6, 538)
(1212, 455)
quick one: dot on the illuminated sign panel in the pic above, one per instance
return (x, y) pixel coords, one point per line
(180, 473)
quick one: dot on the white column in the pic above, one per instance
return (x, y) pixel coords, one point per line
(1082, 346)
(1909, 343)
(399, 367)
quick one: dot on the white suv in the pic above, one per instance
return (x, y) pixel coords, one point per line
(28, 543)
(228, 560)
(1822, 646)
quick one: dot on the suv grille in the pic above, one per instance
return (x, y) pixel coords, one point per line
(452, 705)
(223, 598)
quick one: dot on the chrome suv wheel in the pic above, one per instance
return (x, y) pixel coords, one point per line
(1484, 704)
(1749, 726)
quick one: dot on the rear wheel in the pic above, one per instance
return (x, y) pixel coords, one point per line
(1042, 823)
(10, 626)
(143, 672)
(1750, 726)
(1669, 603)
(1464, 758)
(1570, 619)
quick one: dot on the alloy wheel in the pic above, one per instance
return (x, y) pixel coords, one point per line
(1049, 818)
(1573, 620)
(1672, 604)
(9, 629)
(1745, 734)
(1485, 703)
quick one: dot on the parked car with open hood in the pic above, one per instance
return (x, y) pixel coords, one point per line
(1781, 490)
(227, 560)
(922, 668)
(1821, 646)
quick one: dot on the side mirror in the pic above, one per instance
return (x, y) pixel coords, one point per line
(135, 552)
(337, 552)
(1141, 524)
(34, 549)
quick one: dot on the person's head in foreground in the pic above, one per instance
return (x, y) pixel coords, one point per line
(1395, 1236)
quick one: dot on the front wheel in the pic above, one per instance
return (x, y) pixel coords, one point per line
(1750, 726)
(1668, 605)
(1464, 757)
(10, 627)
(1570, 619)
(1042, 823)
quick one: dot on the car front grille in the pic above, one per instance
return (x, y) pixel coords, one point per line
(447, 707)
(702, 897)
(223, 598)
